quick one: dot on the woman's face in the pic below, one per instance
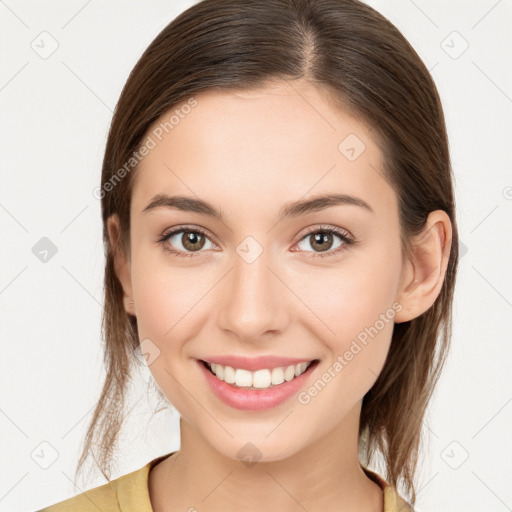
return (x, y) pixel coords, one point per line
(264, 280)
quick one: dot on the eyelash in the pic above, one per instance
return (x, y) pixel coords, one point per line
(343, 235)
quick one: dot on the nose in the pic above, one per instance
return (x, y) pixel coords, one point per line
(253, 302)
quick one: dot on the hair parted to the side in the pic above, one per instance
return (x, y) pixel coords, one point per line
(365, 64)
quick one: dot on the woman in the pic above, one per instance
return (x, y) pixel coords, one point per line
(280, 239)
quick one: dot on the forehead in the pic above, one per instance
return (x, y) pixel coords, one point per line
(240, 148)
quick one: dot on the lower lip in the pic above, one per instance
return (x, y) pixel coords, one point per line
(255, 399)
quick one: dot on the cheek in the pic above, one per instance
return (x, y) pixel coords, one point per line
(165, 304)
(357, 310)
(352, 297)
(356, 305)
(164, 295)
(165, 299)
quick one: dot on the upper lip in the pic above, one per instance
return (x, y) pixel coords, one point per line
(256, 363)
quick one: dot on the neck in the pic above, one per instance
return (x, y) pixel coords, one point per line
(325, 475)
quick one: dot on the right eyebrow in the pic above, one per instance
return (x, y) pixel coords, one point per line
(183, 203)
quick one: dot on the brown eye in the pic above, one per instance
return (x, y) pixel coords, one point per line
(321, 241)
(185, 242)
(192, 240)
(325, 241)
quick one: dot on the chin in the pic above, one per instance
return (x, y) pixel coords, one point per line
(250, 449)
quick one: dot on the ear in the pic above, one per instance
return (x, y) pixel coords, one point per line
(423, 273)
(121, 263)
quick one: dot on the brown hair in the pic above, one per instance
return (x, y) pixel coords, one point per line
(364, 63)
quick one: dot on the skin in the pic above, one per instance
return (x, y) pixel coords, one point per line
(249, 153)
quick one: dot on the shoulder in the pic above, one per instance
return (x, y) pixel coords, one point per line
(126, 493)
(393, 502)
(100, 498)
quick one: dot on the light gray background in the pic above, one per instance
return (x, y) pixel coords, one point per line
(56, 110)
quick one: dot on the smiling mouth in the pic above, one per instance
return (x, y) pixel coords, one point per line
(260, 379)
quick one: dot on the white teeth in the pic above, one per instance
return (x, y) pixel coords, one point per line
(300, 368)
(243, 378)
(277, 376)
(219, 371)
(289, 373)
(229, 374)
(260, 379)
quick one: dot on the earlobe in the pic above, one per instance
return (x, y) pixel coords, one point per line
(121, 262)
(424, 272)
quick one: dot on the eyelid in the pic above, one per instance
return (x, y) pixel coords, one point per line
(183, 228)
(346, 237)
(191, 228)
(325, 227)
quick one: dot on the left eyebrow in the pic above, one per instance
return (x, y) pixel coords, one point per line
(293, 209)
(319, 203)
